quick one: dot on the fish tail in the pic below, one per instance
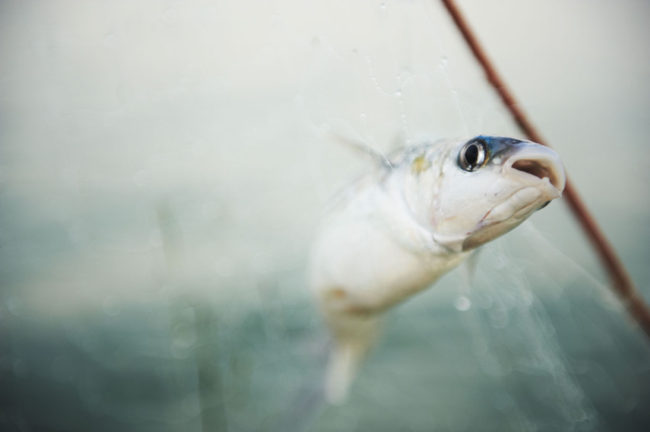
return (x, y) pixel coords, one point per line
(341, 370)
(347, 355)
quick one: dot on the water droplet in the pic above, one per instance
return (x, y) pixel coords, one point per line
(462, 303)
(398, 93)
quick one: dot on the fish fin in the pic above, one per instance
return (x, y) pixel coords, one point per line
(398, 142)
(350, 348)
(470, 267)
(362, 147)
(341, 370)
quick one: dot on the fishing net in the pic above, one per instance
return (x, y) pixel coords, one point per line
(163, 168)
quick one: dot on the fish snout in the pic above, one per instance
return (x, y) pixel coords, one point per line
(535, 160)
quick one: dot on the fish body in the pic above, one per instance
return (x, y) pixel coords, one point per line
(397, 230)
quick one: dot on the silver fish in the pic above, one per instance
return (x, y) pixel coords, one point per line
(396, 231)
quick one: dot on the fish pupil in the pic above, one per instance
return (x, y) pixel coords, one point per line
(471, 155)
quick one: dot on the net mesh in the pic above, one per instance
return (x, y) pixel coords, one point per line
(163, 167)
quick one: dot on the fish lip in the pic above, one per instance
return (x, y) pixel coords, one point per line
(549, 193)
(534, 163)
(473, 239)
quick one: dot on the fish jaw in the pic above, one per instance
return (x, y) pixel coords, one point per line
(505, 216)
(541, 175)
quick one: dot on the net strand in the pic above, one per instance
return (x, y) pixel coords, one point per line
(621, 282)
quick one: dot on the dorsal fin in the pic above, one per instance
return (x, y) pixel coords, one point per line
(360, 146)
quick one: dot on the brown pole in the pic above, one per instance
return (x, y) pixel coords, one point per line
(621, 282)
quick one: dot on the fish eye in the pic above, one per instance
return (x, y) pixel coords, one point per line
(472, 155)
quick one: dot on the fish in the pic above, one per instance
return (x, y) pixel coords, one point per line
(417, 215)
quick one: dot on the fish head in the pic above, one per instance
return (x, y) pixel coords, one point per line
(488, 185)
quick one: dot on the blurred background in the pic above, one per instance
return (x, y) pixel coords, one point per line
(163, 167)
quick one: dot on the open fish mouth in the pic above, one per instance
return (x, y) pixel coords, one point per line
(541, 175)
(540, 163)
